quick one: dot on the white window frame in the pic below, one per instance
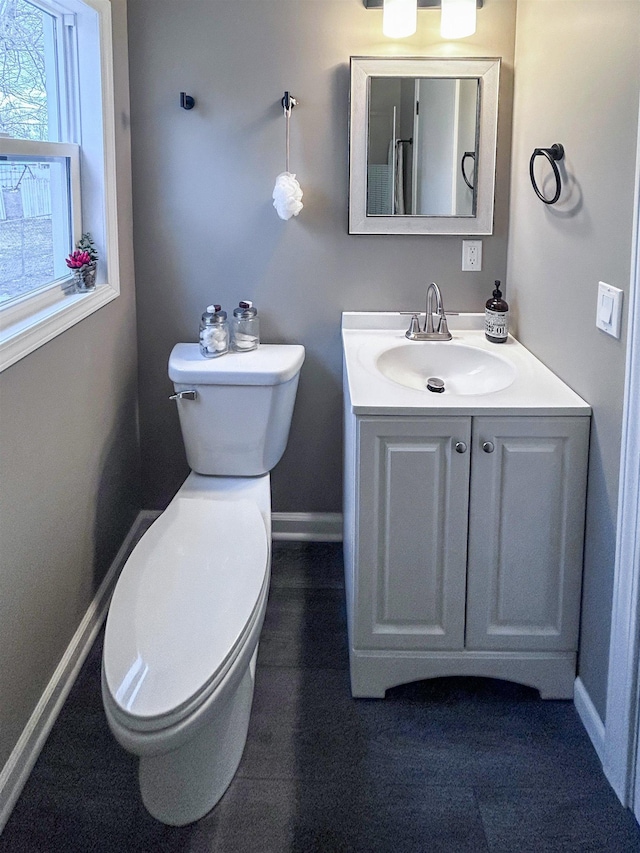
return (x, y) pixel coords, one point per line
(34, 319)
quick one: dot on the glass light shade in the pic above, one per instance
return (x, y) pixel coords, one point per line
(458, 19)
(399, 18)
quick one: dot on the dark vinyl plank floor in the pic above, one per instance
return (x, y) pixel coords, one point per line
(451, 765)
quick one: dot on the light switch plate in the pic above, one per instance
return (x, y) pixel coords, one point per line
(609, 310)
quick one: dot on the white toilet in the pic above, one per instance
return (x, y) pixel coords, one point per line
(182, 633)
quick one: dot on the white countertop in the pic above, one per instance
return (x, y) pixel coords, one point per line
(366, 335)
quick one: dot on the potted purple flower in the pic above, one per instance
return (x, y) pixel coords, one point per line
(82, 262)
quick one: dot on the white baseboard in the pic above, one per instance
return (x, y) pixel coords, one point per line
(590, 717)
(26, 751)
(307, 526)
(296, 526)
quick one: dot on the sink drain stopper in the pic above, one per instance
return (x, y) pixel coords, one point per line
(436, 385)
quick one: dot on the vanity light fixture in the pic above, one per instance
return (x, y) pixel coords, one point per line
(399, 18)
(457, 18)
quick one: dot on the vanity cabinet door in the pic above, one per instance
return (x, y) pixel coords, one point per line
(413, 495)
(526, 524)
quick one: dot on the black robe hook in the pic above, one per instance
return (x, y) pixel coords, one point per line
(288, 102)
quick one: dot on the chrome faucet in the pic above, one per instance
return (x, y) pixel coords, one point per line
(430, 332)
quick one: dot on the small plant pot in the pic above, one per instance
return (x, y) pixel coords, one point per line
(85, 278)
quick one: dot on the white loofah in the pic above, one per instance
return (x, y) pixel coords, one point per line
(287, 196)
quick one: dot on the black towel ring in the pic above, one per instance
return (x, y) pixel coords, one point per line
(556, 152)
(472, 155)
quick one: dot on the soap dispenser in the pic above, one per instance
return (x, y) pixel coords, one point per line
(214, 332)
(496, 317)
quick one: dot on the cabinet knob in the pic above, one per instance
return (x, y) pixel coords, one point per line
(488, 447)
(461, 447)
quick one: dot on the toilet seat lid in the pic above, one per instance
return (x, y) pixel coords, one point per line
(182, 603)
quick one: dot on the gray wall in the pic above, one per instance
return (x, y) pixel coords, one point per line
(581, 90)
(205, 229)
(69, 469)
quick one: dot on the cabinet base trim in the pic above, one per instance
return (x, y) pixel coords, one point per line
(552, 673)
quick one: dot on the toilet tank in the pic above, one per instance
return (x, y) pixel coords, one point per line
(238, 423)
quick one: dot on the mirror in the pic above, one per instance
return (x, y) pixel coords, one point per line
(422, 145)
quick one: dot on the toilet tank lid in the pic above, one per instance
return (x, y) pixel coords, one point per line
(270, 364)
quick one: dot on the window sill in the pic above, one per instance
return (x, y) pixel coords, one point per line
(21, 335)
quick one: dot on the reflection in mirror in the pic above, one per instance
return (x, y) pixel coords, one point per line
(422, 132)
(422, 145)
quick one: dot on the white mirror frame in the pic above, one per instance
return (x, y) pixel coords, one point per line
(487, 71)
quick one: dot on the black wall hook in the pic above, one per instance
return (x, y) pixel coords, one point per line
(186, 101)
(288, 102)
(556, 152)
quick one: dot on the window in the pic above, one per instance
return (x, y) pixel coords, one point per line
(37, 104)
(57, 165)
(37, 216)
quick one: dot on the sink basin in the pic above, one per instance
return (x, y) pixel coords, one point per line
(463, 369)
(386, 374)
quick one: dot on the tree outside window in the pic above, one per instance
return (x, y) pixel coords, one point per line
(23, 86)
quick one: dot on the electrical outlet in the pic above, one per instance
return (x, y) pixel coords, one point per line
(471, 255)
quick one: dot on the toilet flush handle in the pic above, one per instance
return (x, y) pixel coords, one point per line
(185, 395)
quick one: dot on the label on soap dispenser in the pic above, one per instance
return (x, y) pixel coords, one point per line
(496, 324)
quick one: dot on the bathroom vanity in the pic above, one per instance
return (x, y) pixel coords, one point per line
(463, 510)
